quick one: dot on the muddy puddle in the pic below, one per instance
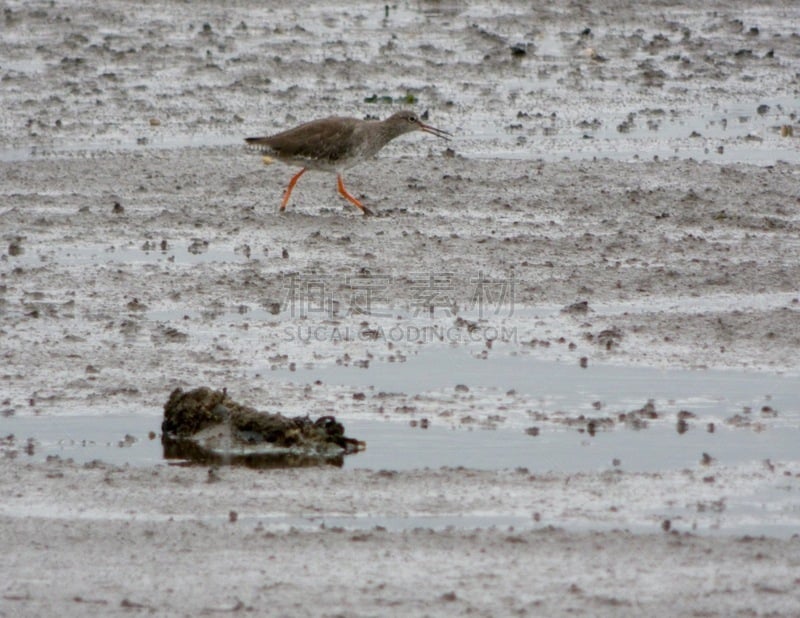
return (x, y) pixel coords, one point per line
(736, 132)
(196, 251)
(585, 419)
(713, 393)
(391, 445)
(739, 132)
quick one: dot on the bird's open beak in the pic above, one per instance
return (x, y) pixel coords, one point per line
(434, 131)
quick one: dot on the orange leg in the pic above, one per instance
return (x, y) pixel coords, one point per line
(292, 183)
(346, 195)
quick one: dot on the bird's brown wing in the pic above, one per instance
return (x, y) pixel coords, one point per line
(328, 139)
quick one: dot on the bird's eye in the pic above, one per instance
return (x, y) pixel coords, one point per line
(412, 119)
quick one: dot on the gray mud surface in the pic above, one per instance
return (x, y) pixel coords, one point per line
(622, 190)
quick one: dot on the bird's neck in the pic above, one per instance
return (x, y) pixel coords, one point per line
(389, 130)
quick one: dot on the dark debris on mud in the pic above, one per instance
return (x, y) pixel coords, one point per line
(191, 418)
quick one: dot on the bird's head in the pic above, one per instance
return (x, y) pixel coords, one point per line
(407, 121)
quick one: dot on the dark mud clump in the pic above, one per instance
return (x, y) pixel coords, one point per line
(207, 426)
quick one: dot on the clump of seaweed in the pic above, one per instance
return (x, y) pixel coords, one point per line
(206, 425)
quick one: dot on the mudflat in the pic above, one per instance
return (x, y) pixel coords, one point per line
(620, 194)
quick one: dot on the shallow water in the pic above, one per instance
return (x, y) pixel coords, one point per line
(96, 255)
(711, 394)
(564, 391)
(731, 133)
(393, 445)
